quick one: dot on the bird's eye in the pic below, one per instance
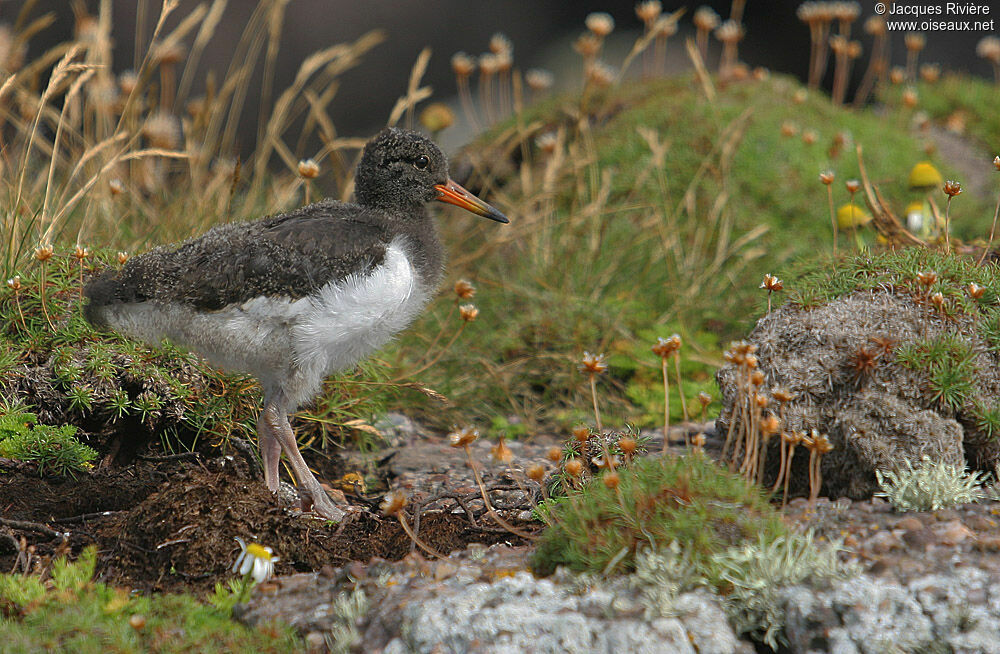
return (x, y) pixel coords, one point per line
(421, 162)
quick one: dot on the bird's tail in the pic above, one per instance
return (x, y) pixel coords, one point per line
(100, 292)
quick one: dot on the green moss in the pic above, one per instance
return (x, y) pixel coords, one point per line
(662, 499)
(74, 614)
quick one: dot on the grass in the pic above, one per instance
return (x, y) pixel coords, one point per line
(694, 196)
(71, 613)
(687, 499)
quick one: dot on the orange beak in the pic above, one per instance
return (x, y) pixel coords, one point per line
(453, 193)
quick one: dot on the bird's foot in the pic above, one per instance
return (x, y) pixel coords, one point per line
(319, 501)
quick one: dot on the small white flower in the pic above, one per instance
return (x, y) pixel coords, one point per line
(256, 559)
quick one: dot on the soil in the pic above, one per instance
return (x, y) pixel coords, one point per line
(168, 523)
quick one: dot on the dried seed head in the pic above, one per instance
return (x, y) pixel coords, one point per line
(393, 503)
(910, 98)
(538, 79)
(937, 299)
(14, 283)
(974, 290)
(573, 467)
(771, 283)
(593, 364)
(826, 177)
(914, 41)
(587, 45)
(760, 399)
(705, 19)
(664, 347)
(464, 289)
(800, 96)
(308, 169)
(665, 27)
(127, 81)
(601, 74)
(649, 11)
(952, 188)
(897, 75)
(927, 278)
(989, 48)
(462, 64)
(611, 479)
(43, 252)
(729, 32)
(789, 128)
(809, 136)
(116, 186)
(704, 398)
(500, 44)
(436, 117)
(852, 185)
(468, 312)
(751, 362)
(627, 445)
(500, 452)
(770, 424)
(547, 142)
(488, 64)
(122, 257)
(600, 23)
(876, 26)
(930, 73)
(782, 394)
(463, 437)
(163, 130)
(581, 433)
(699, 440)
(137, 621)
(554, 454)
(81, 253)
(536, 472)
(996, 162)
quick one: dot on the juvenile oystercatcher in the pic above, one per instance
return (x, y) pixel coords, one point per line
(296, 297)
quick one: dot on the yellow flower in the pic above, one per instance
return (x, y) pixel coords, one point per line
(925, 175)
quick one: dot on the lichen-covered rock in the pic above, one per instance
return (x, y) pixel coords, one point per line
(843, 365)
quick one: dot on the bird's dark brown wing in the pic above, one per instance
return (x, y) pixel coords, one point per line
(288, 255)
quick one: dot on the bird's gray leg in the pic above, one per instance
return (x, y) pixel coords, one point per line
(276, 418)
(270, 448)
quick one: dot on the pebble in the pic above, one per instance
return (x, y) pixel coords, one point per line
(954, 533)
(910, 523)
(883, 542)
(947, 515)
(919, 539)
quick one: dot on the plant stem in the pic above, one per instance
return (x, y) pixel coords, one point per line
(666, 406)
(416, 539)
(680, 388)
(947, 226)
(41, 294)
(437, 358)
(593, 395)
(993, 230)
(486, 501)
(833, 216)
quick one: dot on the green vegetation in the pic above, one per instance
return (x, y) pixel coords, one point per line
(681, 523)
(660, 499)
(55, 450)
(72, 613)
(930, 486)
(694, 196)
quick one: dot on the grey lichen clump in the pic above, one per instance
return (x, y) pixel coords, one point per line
(891, 370)
(929, 486)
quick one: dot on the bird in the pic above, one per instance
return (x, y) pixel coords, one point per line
(295, 297)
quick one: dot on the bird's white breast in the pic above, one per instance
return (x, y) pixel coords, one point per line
(291, 345)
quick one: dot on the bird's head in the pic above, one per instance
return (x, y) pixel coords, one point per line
(401, 169)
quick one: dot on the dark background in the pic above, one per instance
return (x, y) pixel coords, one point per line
(541, 31)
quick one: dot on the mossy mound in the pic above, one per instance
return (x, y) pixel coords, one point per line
(652, 209)
(893, 356)
(660, 499)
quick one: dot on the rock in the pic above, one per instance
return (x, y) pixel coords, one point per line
(877, 417)
(910, 523)
(953, 533)
(919, 539)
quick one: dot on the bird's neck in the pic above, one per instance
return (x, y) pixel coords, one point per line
(427, 252)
